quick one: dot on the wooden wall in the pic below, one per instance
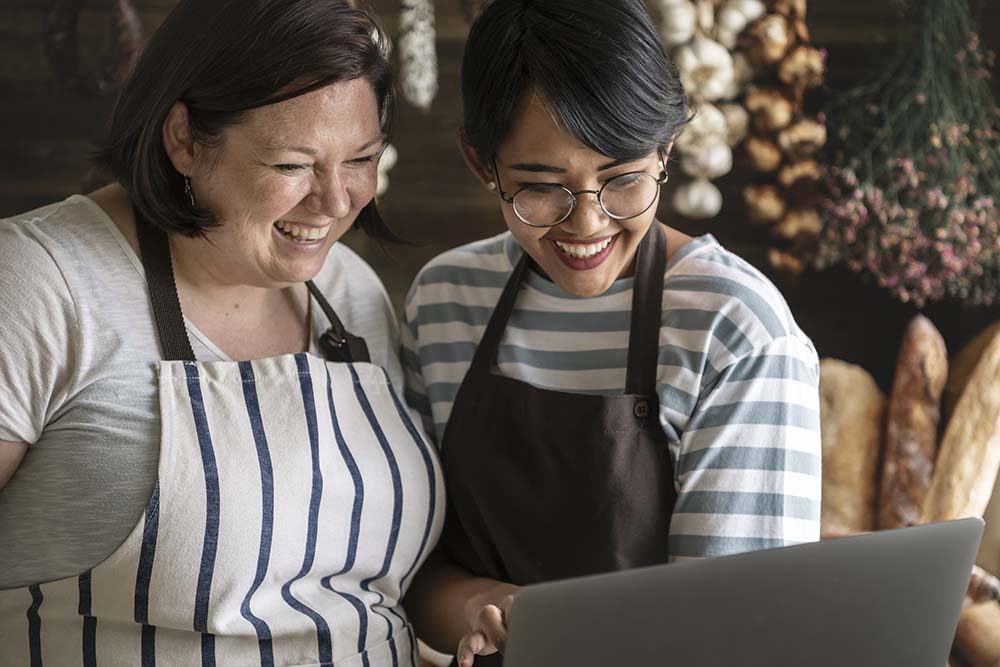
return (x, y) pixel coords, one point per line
(47, 133)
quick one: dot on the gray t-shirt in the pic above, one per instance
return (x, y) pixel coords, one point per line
(78, 381)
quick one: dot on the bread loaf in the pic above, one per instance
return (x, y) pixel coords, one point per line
(967, 463)
(989, 547)
(911, 431)
(852, 410)
(961, 368)
(978, 635)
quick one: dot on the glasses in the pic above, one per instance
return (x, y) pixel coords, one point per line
(548, 204)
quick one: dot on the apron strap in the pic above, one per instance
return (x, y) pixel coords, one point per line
(154, 251)
(337, 344)
(647, 312)
(489, 346)
(644, 332)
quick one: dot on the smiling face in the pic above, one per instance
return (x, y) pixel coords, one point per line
(589, 250)
(286, 183)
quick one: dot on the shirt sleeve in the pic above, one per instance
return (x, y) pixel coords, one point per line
(415, 389)
(749, 466)
(37, 336)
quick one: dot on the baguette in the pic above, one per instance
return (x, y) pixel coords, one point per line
(966, 469)
(912, 424)
(961, 368)
(852, 410)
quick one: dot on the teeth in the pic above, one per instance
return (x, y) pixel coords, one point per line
(581, 250)
(301, 233)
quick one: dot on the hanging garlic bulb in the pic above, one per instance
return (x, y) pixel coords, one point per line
(385, 163)
(708, 127)
(417, 54)
(706, 68)
(737, 122)
(677, 22)
(709, 162)
(697, 199)
(751, 9)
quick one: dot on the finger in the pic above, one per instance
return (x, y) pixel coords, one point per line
(471, 645)
(491, 622)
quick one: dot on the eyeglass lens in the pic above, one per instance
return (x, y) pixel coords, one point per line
(624, 196)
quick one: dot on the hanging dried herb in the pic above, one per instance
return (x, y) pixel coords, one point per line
(914, 168)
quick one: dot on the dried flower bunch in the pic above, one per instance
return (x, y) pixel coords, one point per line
(910, 198)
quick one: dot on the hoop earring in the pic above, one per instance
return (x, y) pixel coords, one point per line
(188, 192)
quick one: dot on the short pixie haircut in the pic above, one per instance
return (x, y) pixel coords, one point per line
(223, 58)
(599, 65)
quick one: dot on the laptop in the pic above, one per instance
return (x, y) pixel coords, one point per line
(883, 599)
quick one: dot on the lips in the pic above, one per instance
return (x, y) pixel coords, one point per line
(302, 233)
(584, 255)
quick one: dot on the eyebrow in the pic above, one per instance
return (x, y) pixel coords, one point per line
(549, 169)
(307, 150)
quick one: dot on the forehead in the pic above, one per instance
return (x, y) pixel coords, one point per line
(536, 132)
(341, 112)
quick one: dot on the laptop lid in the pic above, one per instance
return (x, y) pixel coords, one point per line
(884, 599)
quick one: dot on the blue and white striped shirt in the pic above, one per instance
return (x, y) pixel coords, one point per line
(737, 379)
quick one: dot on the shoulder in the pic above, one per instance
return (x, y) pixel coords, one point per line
(735, 302)
(484, 264)
(31, 245)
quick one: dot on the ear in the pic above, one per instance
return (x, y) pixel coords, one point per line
(178, 140)
(483, 172)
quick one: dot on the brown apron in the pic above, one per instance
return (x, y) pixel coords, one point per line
(548, 485)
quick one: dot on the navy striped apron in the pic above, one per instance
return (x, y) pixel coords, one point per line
(295, 500)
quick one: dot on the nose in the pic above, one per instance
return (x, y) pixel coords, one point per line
(330, 196)
(588, 218)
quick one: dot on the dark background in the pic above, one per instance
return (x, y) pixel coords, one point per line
(47, 133)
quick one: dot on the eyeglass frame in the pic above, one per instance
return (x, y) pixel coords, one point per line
(663, 177)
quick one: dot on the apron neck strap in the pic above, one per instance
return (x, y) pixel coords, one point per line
(644, 332)
(647, 312)
(154, 250)
(337, 344)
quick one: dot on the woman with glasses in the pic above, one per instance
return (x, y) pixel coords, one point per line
(606, 392)
(204, 456)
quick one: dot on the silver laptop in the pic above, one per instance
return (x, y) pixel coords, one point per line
(885, 599)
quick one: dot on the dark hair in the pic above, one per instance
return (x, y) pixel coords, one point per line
(599, 65)
(223, 58)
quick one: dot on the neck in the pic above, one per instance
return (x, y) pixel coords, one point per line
(203, 276)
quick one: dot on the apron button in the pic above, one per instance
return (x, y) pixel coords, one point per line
(641, 409)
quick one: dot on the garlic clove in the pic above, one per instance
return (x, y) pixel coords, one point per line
(764, 155)
(697, 200)
(732, 19)
(764, 202)
(710, 162)
(799, 222)
(677, 23)
(737, 122)
(751, 9)
(708, 126)
(802, 139)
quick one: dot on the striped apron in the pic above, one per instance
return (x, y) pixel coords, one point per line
(295, 500)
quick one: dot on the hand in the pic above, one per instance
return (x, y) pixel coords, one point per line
(488, 624)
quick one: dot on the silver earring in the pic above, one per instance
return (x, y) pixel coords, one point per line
(188, 192)
(491, 186)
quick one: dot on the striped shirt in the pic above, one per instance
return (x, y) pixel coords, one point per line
(737, 379)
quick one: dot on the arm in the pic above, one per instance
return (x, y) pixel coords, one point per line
(11, 454)
(749, 466)
(456, 612)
